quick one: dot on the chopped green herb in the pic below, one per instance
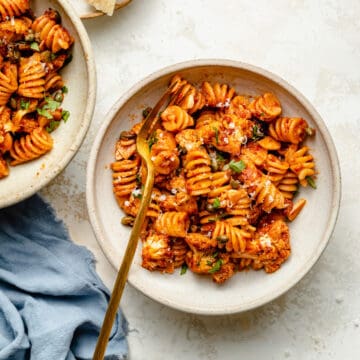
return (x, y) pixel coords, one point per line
(216, 267)
(65, 115)
(53, 56)
(256, 133)
(137, 193)
(51, 104)
(34, 46)
(216, 135)
(219, 157)
(208, 262)
(184, 267)
(65, 90)
(216, 203)
(152, 140)
(52, 126)
(237, 166)
(138, 178)
(311, 182)
(24, 105)
(45, 113)
(215, 254)
(146, 112)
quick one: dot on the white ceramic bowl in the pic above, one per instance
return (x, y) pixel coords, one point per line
(246, 290)
(80, 78)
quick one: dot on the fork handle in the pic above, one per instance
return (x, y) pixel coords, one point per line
(123, 271)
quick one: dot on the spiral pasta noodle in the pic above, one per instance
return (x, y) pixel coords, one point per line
(172, 223)
(217, 95)
(54, 36)
(225, 182)
(124, 176)
(32, 77)
(233, 238)
(188, 97)
(31, 87)
(12, 8)
(53, 81)
(8, 82)
(288, 129)
(31, 146)
(174, 119)
(266, 107)
(198, 172)
(301, 163)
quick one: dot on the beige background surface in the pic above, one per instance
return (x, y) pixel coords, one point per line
(315, 46)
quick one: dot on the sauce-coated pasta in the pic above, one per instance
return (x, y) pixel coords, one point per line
(32, 52)
(228, 168)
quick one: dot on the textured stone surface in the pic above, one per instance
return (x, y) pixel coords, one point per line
(316, 47)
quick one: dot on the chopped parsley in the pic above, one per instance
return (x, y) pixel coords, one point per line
(24, 105)
(65, 115)
(34, 46)
(138, 178)
(216, 267)
(208, 262)
(45, 113)
(311, 182)
(216, 135)
(64, 90)
(216, 203)
(137, 193)
(237, 166)
(146, 112)
(51, 104)
(256, 133)
(52, 56)
(184, 267)
(52, 126)
(152, 140)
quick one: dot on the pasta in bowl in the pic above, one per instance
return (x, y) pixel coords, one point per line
(230, 152)
(44, 55)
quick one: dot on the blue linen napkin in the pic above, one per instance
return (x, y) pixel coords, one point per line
(52, 302)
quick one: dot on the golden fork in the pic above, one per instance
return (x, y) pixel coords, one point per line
(143, 149)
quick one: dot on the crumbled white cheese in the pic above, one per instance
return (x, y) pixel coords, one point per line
(265, 240)
(231, 125)
(12, 21)
(189, 146)
(243, 139)
(226, 140)
(219, 104)
(127, 203)
(252, 194)
(173, 191)
(227, 102)
(153, 158)
(162, 197)
(136, 192)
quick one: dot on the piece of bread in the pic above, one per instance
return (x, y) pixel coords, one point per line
(106, 6)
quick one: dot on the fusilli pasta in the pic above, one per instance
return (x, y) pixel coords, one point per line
(227, 170)
(31, 89)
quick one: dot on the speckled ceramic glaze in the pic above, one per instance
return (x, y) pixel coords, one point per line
(80, 78)
(246, 290)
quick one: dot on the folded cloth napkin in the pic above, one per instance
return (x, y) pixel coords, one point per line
(52, 302)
